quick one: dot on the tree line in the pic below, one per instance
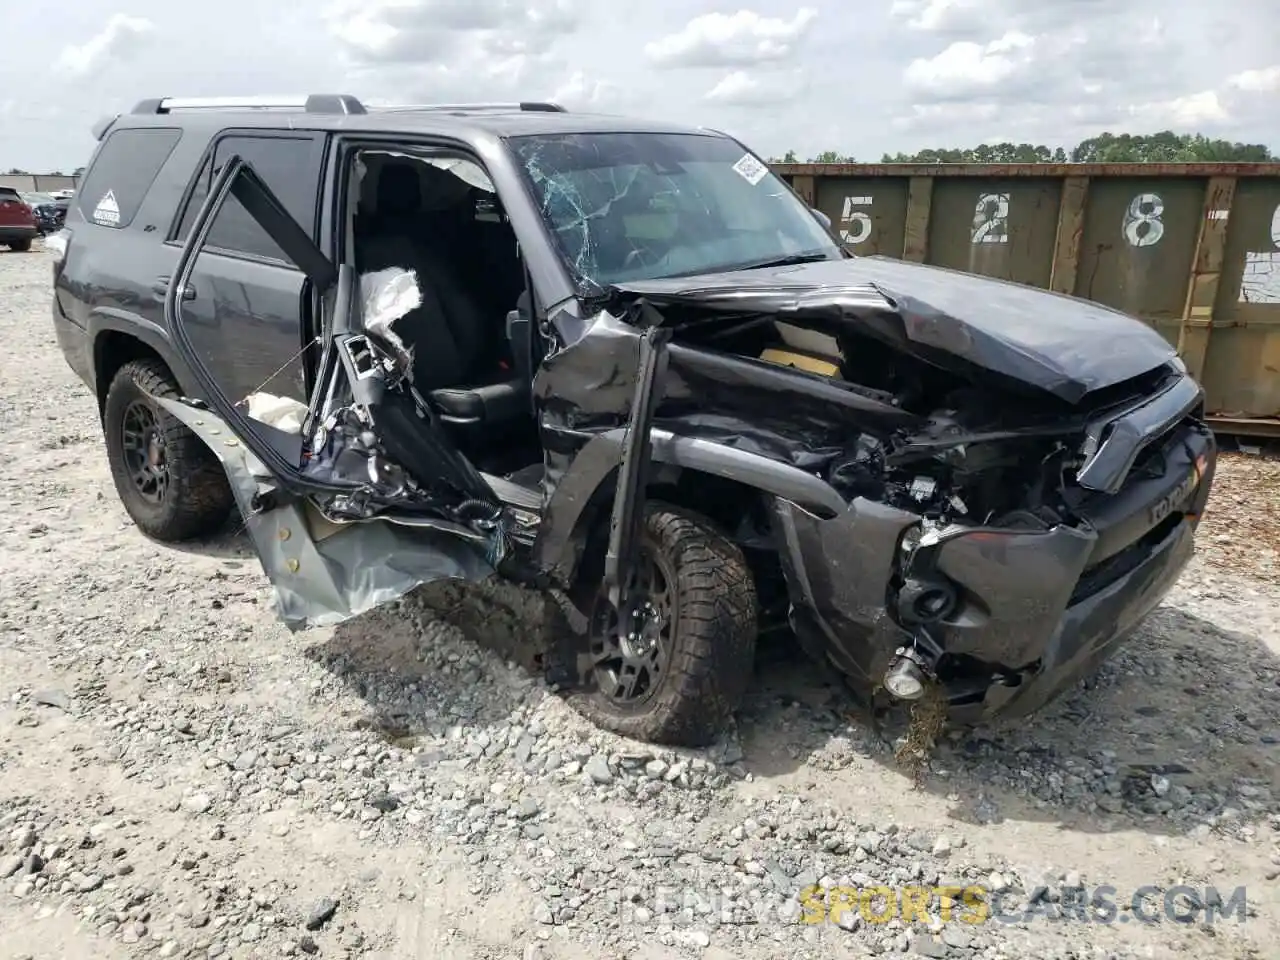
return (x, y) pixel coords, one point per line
(19, 172)
(1163, 147)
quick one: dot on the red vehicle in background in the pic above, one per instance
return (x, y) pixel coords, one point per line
(17, 221)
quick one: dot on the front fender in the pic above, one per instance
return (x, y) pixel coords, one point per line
(562, 531)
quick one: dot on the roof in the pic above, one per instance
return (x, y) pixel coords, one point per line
(464, 125)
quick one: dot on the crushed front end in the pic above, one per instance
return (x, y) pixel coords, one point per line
(1003, 568)
(1021, 473)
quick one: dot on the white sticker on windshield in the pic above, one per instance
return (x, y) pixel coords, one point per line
(107, 212)
(750, 169)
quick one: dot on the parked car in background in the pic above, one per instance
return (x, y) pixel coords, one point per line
(17, 221)
(50, 212)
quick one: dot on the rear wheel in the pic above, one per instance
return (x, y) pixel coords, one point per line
(19, 246)
(677, 676)
(168, 480)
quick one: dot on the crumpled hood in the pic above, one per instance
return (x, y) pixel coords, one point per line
(959, 321)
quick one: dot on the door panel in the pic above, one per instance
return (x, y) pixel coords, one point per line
(346, 532)
(245, 324)
(245, 318)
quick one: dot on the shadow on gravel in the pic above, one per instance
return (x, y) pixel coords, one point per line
(230, 543)
(1182, 728)
(420, 678)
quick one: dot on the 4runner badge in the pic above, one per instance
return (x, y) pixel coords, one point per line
(107, 212)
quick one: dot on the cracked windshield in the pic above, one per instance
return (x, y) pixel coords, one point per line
(629, 206)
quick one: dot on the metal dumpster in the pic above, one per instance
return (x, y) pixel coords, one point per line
(1193, 249)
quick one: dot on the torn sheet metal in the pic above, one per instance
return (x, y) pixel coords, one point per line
(322, 572)
(952, 320)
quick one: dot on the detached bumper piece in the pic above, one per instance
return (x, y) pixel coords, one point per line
(1004, 619)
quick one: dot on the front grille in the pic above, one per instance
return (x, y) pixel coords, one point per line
(1101, 575)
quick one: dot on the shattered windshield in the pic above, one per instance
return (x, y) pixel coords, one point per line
(638, 206)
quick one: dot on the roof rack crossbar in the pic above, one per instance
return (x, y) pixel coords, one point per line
(329, 103)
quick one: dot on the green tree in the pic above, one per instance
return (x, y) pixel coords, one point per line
(1167, 147)
(1163, 147)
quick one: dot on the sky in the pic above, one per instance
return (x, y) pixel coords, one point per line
(862, 78)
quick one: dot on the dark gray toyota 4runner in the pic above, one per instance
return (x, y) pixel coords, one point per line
(626, 363)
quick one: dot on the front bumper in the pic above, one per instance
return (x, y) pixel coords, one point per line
(1038, 611)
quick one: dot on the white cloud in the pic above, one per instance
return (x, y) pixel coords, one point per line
(579, 92)
(743, 89)
(1091, 66)
(965, 68)
(422, 31)
(1197, 110)
(744, 38)
(951, 16)
(1257, 81)
(121, 36)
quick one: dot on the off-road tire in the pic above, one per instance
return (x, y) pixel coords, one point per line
(198, 500)
(19, 246)
(712, 650)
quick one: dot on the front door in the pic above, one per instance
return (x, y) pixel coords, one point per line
(358, 496)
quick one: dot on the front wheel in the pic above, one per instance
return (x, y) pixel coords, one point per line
(677, 676)
(19, 246)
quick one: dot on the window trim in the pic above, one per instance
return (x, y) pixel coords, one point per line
(318, 142)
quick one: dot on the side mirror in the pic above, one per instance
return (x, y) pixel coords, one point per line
(822, 217)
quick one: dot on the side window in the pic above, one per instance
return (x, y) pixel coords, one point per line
(122, 173)
(291, 168)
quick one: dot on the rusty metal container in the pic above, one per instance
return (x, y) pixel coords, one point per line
(1192, 249)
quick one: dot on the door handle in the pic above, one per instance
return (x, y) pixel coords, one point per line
(161, 287)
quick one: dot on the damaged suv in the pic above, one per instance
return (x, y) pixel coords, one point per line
(623, 362)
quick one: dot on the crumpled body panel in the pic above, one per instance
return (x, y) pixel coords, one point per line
(955, 320)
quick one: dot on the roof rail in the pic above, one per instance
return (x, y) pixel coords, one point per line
(314, 103)
(329, 103)
(527, 106)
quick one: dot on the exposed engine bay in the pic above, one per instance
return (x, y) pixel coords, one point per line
(963, 452)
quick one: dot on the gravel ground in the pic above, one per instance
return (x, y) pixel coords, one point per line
(180, 776)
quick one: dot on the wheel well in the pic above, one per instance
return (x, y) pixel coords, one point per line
(111, 351)
(740, 511)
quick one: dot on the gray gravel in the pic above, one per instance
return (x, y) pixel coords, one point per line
(180, 776)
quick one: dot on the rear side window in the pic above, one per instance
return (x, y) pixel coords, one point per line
(290, 166)
(122, 173)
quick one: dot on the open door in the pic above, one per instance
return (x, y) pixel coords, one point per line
(359, 497)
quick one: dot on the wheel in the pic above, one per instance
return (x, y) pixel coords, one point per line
(682, 672)
(19, 246)
(169, 481)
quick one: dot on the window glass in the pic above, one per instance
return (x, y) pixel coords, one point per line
(629, 206)
(122, 173)
(287, 166)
